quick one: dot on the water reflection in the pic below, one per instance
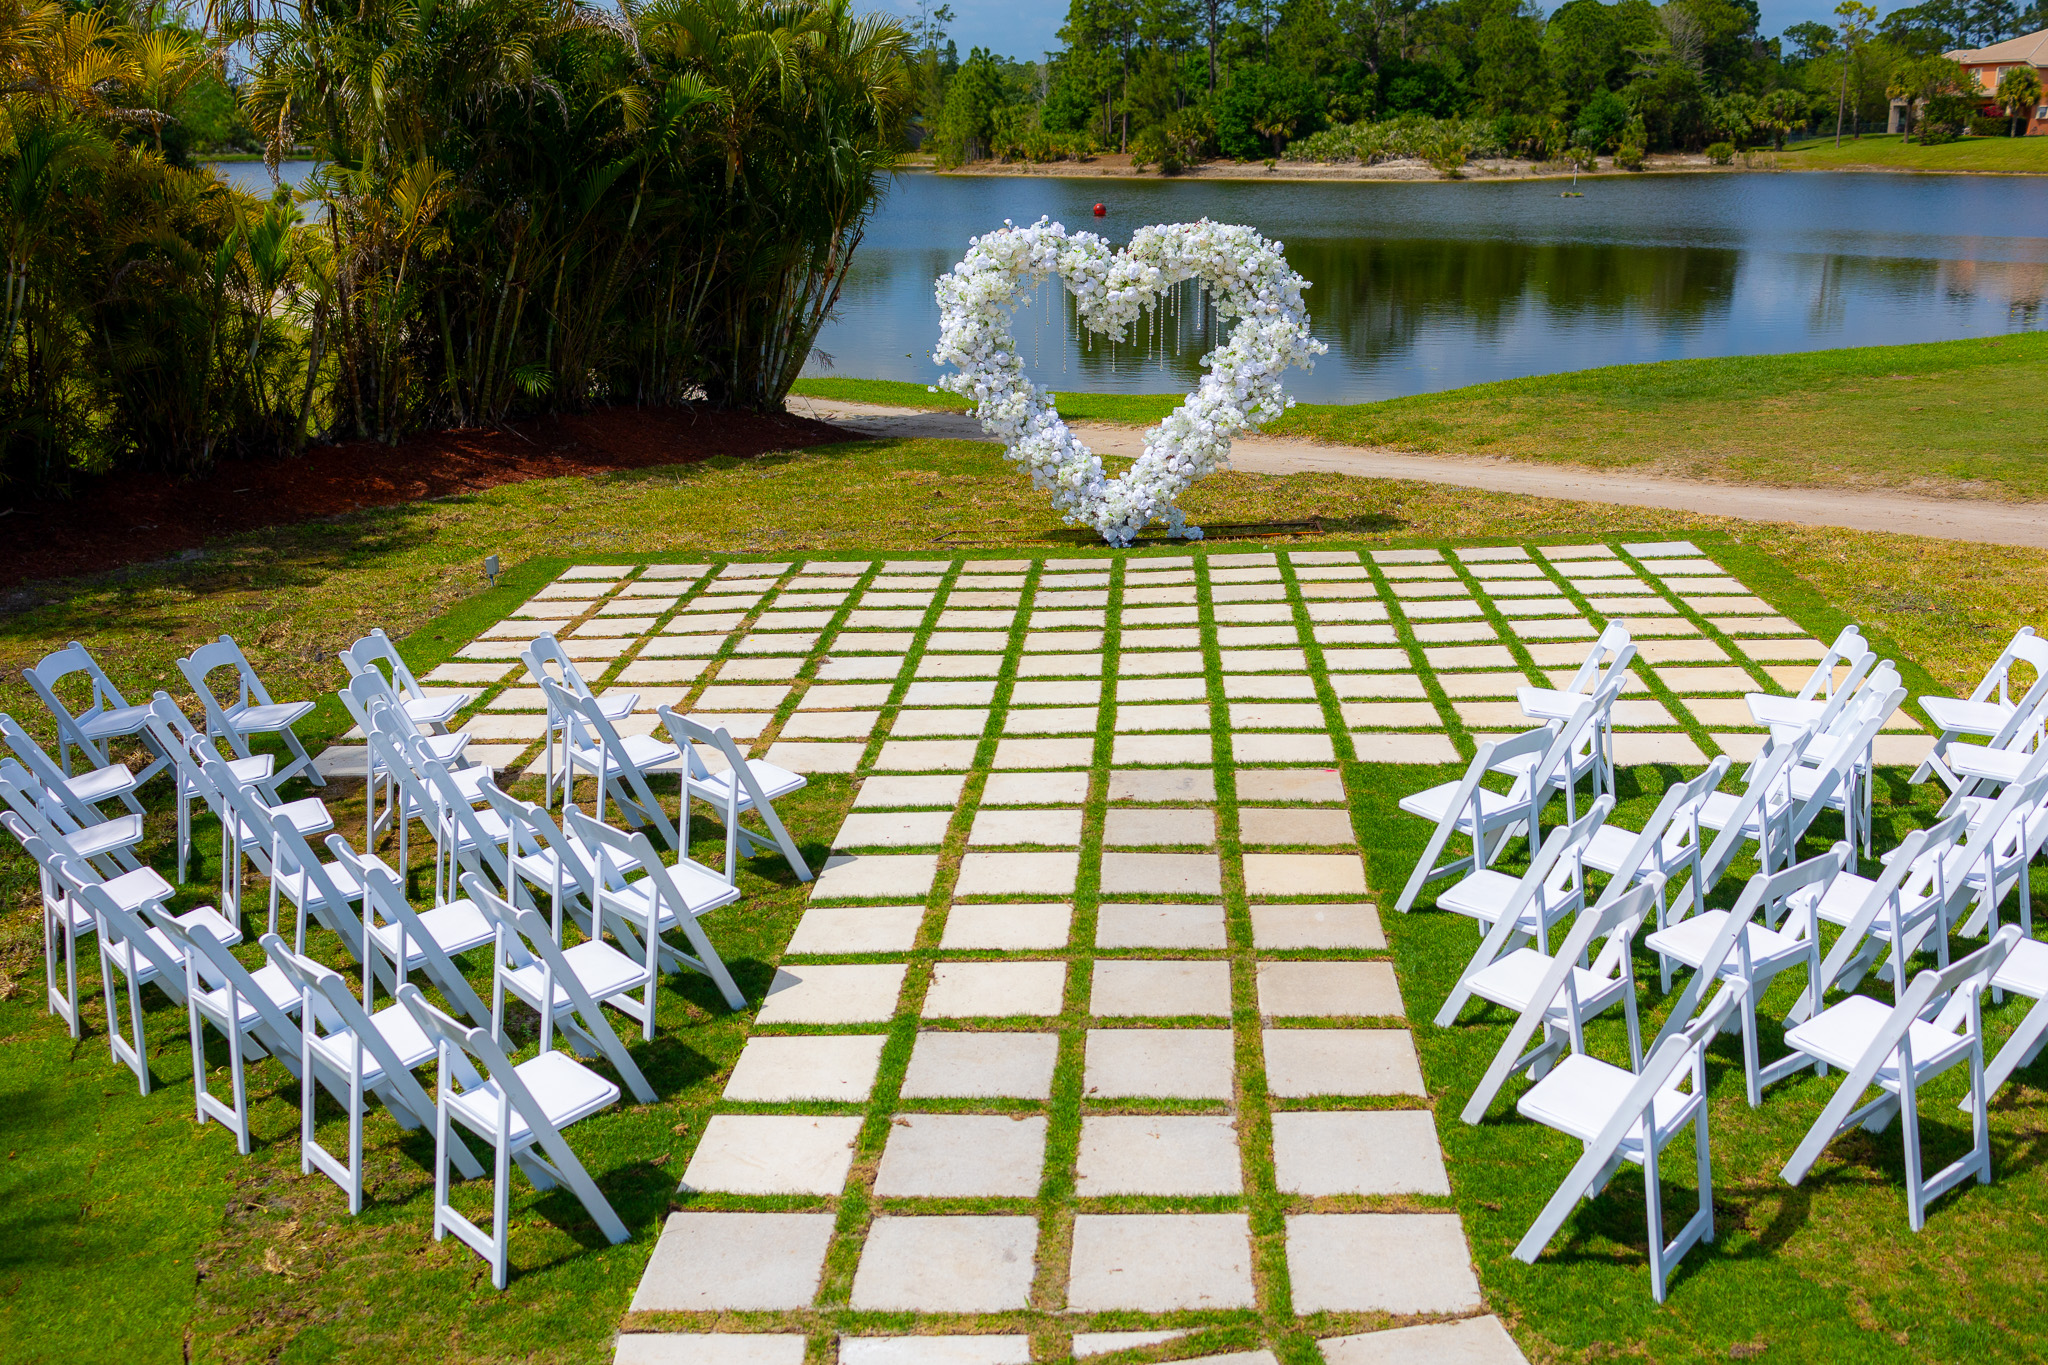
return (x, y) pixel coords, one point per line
(1422, 287)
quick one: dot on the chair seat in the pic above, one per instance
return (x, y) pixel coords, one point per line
(101, 784)
(1582, 1093)
(1770, 710)
(775, 783)
(133, 890)
(1688, 940)
(406, 1037)
(1611, 845)
(224, 930)
(337, 1049)
(455, 927)
(267, 716)
(114, 722)
(1578, 761)
(602, 970)
(308, 815)
(1549, 703)
(1843, 896)
(1981, 760)
(644, 752)
(435, 708)
(1434, 803)
(702, 892)
(563, 1087)
(541, 865)
(123, 831)
(299, 888)
(1484, 895)
(1511, 983)
(2025, 970)
(1719, 808)
(458, 837)
(1955, 716)
(1842, 1033)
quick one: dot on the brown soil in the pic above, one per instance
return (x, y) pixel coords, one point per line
(137, 518)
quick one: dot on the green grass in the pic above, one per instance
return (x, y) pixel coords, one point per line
(1943, 418)
(1891, 152)
(134, 1234)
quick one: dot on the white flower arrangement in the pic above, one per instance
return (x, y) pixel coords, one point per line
(1246, 276)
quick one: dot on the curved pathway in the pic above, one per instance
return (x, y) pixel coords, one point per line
(1993, 523)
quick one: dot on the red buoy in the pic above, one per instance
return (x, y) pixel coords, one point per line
(1101, 212)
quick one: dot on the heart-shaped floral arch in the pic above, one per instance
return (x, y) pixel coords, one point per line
(1246, 276)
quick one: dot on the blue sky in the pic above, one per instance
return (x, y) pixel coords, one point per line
(1025, 29)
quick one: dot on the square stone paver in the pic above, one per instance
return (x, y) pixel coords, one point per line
(1159, 1063)
(1050, 720)
(896, 829)
(856, 929)
(1151, 787)
(1276, 748)
(773, 1154)
(1158, 1154)
(1317, 926)
(1101, 1343)
(1008, 925)
(710, 1348)
(962, 1156)
(1049, 828)
(1468, 1341)
(1304, 1062)
(1014, 874)
(995, 990)
(875, 875)
(801, 756)
(838, 1067)
(1380, 1262)
(1035, 789)
(735, 1262)
(1160, 1262)
(994, 1348)
(1283, 825)
(1162, 750)
(910, 791)
(1126, 874)
(1319, 785)
(830, 725)
(1306, 989)
(946, 1265)
(1132, 720)
(1375, 748)
(938, 723)
(1159, 926)
(1304, 874)
(1674, 747)
(1044, 753)
(982, 1066)
(853, 993)
(1384, 1151)
(1159, 988)
(1167, 825)
(927, 755)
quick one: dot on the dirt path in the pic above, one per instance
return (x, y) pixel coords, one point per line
(1994, 523)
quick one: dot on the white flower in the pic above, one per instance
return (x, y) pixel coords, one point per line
(1247, 278)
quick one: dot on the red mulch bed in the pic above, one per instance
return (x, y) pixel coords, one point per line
(133, 519)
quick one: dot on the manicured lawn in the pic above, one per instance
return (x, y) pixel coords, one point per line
(1946, 418)
(1891, 152)
(132, 1234)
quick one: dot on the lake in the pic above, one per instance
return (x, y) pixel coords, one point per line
(253, 178)
(1419, 286)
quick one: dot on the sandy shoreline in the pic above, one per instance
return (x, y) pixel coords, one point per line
(1115, 166)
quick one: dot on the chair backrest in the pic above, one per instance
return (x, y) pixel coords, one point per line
(384, 898)
(204, 661)
(530, 829)
(1606, 655)
(1845, 751)
(1768, 787)
(35, 804)
(1999, 845)
(1849, 646)
(365, 654)
(524, 939)
(591, 727)
(387, 737)
(46, 773)
(1955, 990)
(2025, 721)
(545, 662)
(1995, 677)
(1765, 893)
(363, 690)
(43, 678)
(1673, 825)
(455, 808)
(1860, 672)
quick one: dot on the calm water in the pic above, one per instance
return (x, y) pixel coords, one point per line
(252, 177)
(1435, 285)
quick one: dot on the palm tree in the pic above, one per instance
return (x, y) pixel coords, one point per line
(2019, 91)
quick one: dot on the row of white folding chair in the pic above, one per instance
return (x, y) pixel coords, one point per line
(170, 730)
(1990, 712)
(546, 662)
(1606, 662)
(107, 715)
(386, 804)
(432, 708)
(113, 782)
(252, 713)
(108, 843)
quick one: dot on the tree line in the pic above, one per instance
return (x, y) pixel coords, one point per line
(521, 206)
(1173, 80)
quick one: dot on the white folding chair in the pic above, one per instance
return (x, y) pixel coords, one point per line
(1558, 995)
(399, 940)
(1518, 910)
(109, 844)
(444, 803)
(1810, 707)
(179, 738)
(1741, 947)
(660, 900)
(1606, 664)
(429, 707)
(2005, 836)
(2025, 973)
(1668, 845)
(65, 920)
(620, 764)
(354, 1054)
(252, 712)
(1898, 1049)
(520, 1111)
(538, 854)
(252, 1011)
(1622, 1116)
(747, 784)
(1885, 920)
(1573, 754)
(1990, 712)
(107, 716)
(360, 698)
(1465, 807)
(281, 851)
(565, 986)
(546, 662)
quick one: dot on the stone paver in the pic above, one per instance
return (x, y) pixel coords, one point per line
(876, 875)
(773, 1154)
(1154, 787)
(851, 993)
(1159, 926)
(1160, 1262)
(1384, 1151)
(893, 829)
(1290, 825)
(856, 929)
(1046, 828)
(1319, 785)
(960, 1264)
(1003, 1348)
(1160, 988)
(1041, 925)
(1305, 1062)
(962, 1156)
(1468, 1341)
(995, 990)
(1316, 926)
(1035, 789)
(1013, 874)
(1158, 1154)
(888, 791)
(710, 1348)
(1151, 1063)
(1187, 826)
(838, 1067)
(1380, 1262)
(981, 1066)
(1307, 989)
(735, 1262)
(1162, 874)
(1304, 874)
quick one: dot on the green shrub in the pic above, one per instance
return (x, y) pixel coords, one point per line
(1721, 153)
(1583, 158)
(1990, 127)
(1628, 157)
(1603, 122)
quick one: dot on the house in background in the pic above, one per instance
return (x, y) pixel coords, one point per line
(1988, 64)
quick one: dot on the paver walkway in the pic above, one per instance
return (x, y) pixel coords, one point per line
(1089, 1037)
(1993, 523)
